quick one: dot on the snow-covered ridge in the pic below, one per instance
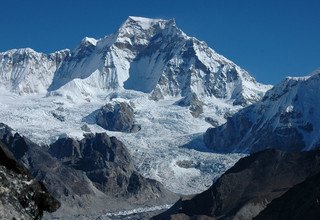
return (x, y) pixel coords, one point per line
(26, 71)
(148, 55)
(286, 118)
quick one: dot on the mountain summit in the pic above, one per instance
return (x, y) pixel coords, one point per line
(148, 55)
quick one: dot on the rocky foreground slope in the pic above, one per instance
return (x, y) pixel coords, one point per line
(246, 188)
(21, 195)
(286, 118)
(90, 177)
(300, 202)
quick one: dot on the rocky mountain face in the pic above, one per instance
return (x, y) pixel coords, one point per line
(87, 176)
(21, 195)
(61, 181)
(246, 188)
(108, 164)
(286, 118)
(149, 55)
(300, 202)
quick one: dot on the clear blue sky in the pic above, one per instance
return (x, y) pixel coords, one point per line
(269, 38)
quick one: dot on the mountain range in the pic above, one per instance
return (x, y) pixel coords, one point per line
(178, 117)
(148, 55)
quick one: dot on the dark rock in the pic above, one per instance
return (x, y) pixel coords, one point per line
(186, 164)
(58, 116)
(65, 148)
(117, 117)
(300, 202)
(21, 195)
(58, 178)
(211, 121)
(246, 188)
(108, 164)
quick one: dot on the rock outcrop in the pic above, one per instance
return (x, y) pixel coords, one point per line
(89, 177)
(118, 116)
(246, 188)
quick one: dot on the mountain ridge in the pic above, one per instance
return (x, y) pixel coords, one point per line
(285, 119)
(149, 55)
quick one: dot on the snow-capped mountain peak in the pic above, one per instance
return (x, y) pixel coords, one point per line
(89, 40)
(149, 55)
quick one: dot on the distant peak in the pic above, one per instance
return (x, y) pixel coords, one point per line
(88, 40)
(22, 51)
(25, 50)
(143, 19)
(146, 23)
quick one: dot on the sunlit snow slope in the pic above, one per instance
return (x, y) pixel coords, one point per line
(286, 118)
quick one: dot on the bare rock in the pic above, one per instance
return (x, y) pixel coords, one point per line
(117, 116)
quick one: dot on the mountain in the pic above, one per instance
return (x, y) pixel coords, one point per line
(148, 55)
(253, 182)
(26, 71)
(21, 195)
(286, 118)
(89, 177)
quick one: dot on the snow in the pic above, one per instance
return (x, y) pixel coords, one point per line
(26, 71)
(289, 108)
(90, 40)
(293, 103)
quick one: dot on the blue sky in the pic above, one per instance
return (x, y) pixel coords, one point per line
(269, 38)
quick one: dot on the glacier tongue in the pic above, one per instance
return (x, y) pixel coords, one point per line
(169, 135)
